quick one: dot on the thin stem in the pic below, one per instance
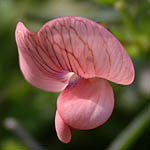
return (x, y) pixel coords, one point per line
(14, 126)
(132, 132)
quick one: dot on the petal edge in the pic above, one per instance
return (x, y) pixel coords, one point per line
(63, 131)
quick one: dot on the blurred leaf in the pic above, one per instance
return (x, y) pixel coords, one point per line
(12, 144)
(106, 1)
(142, 17)
(136, 128)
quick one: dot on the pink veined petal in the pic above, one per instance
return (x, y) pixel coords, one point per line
(86, 103)
(36, 64)
(62, 129)
(82, 46)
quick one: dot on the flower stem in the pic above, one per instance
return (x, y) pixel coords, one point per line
(14, 126)
(132, 132)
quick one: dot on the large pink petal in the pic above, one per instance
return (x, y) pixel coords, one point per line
(36, 64)
(86, 48)
(62, 129)
(86, 103)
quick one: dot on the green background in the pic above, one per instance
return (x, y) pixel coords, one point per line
(34, 110)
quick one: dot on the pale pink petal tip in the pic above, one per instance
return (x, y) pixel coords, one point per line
(20, 30)
(63, 131)
(86, 104)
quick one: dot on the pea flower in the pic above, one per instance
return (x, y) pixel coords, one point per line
(76, 56)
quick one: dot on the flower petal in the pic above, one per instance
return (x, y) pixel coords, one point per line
(82, 46)
(36, 64)
(86, 103)
(63, 131)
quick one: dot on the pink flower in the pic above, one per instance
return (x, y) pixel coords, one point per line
(76, 56)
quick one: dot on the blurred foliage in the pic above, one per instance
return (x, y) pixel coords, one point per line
(128, 20)
(12, 144)
(106, 1)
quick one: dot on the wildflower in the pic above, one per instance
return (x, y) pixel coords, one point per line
(76, 56)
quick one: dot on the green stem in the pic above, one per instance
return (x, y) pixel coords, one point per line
(132, 132)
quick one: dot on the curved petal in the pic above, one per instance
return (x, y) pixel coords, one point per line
(63, 131)
(86, 48)
(36, 64)
(86, 104)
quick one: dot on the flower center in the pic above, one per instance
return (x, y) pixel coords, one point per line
(73, 78)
